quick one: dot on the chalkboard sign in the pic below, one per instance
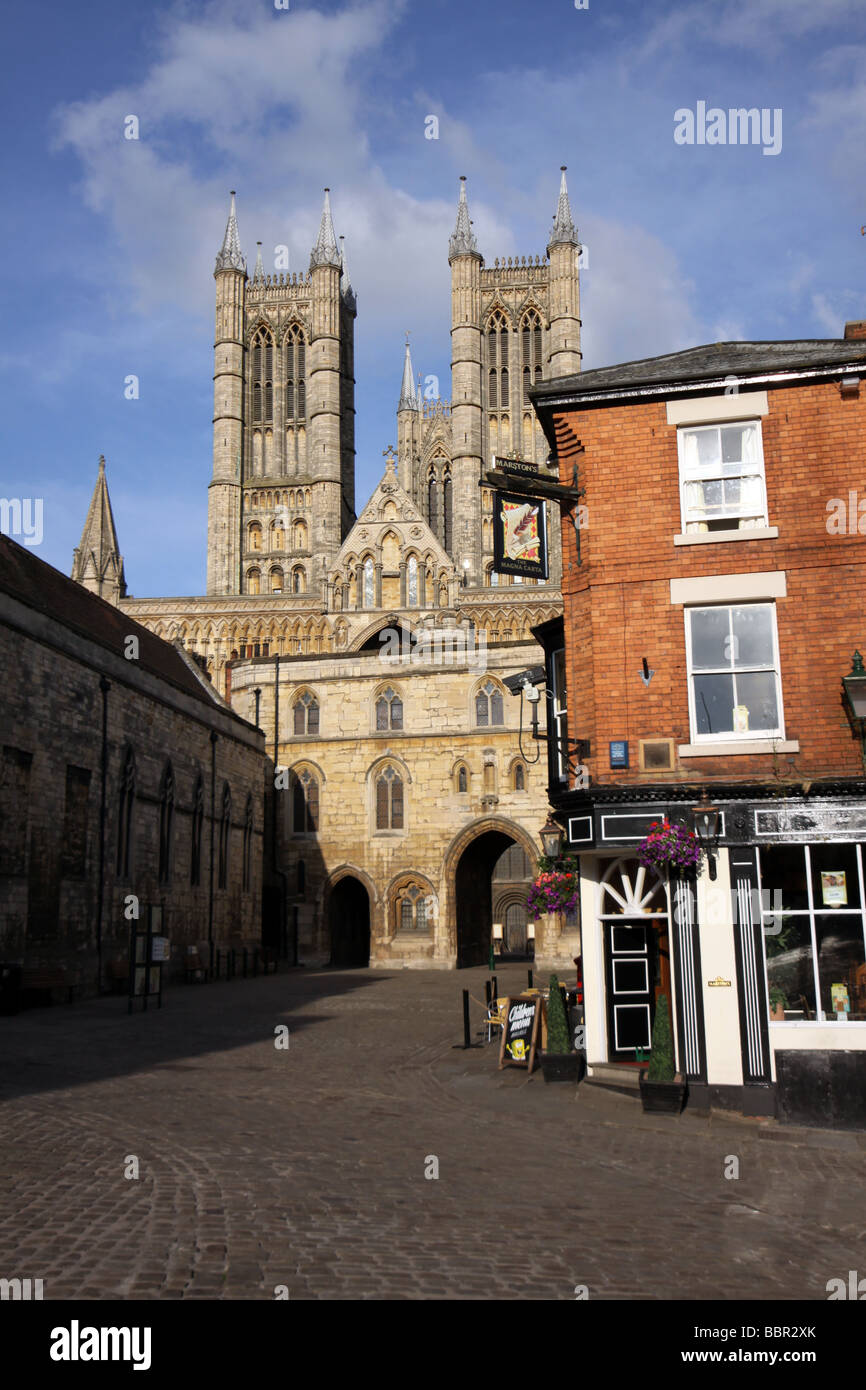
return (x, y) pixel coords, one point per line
(520, 1032)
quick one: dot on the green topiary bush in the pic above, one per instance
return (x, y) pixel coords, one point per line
(661, 1067)
(557, 1023)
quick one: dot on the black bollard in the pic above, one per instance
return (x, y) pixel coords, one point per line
(495, 988)
(529, 977)
(487, 991)
(467, 1042)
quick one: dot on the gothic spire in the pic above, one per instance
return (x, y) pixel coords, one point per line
(259, 272)
(462, 242)
(230, 256)
(348, 292)
(97, 563)
(325, 250)
(408, 398)
(563, 229)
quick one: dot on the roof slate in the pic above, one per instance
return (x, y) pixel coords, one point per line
(39, 586)
(712, 360)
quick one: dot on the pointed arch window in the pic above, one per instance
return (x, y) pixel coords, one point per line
(530, 352)
(305, 803)
(195, 837)
(126, 815)
(497, 361)
(248, 846)
(412, 908)
(488, 706)
(225, 836)
(369, 597)
(262, 376)
(389, 711)
(446, 510)
(433, 501)
(166, 823)
(412, 582)
(519, 777)
(462, 779)
(295, 362)
(389, 800)
(306, 714)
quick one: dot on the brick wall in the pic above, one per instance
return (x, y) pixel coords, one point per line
(618, 607)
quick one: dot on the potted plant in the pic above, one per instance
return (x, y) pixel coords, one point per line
(662, 1090)
(558, 1062)
(778, 1004)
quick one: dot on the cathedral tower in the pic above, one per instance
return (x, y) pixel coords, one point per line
(513, 324)
(282, 494)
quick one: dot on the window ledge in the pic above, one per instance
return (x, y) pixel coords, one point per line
(753, 533)
(739, 746)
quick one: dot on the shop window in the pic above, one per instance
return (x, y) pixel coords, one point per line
(814, 931)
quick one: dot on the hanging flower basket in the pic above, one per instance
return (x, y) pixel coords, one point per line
(553, 892)
(670, 845)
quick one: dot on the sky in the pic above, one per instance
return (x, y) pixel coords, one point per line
(110, 242)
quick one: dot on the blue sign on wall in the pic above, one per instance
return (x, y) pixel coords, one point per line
(619, 752)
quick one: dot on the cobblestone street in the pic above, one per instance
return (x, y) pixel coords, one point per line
(305, 1167)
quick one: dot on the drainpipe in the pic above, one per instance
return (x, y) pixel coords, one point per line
(104, 686)
(279, 872)
(213, 744)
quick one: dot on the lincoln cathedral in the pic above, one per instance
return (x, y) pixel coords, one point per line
(371, 645)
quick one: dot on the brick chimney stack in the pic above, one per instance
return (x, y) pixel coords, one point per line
(855, 328)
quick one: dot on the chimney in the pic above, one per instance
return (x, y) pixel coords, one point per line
(855, 328)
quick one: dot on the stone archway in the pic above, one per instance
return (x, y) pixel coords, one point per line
(470, 863)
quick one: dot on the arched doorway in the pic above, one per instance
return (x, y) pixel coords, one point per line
(349, 923)
(474, 890)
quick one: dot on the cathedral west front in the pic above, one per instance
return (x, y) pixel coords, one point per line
(371, 645)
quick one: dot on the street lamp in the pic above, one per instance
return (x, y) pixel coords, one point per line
(706, 818)
(552, 837)
(854, 693)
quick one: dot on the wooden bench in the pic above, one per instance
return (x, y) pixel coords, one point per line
(45, 979)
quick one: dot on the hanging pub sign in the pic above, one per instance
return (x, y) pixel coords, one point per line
(514, 465)
(520, 1031)
(519, 535)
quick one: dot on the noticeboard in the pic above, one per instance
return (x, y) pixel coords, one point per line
(520, 1031)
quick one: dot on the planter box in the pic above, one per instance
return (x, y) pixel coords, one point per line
(662, 1097)
(563, 1066)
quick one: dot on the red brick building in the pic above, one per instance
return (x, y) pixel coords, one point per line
(713, 596)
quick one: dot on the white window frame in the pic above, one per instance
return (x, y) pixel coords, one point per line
(559, 716)
(760, 521)
(728, 736)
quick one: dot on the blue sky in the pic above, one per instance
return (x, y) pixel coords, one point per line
(110, 243)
